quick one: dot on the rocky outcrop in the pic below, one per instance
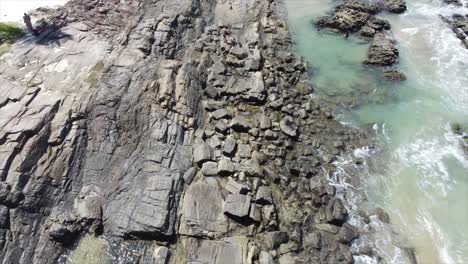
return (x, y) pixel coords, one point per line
(355, 16)
(459, 25)
(190, 134)
(382, 51)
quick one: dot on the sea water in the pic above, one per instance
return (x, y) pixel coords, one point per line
(420, 174)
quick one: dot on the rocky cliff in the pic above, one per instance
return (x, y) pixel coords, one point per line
(186, 130)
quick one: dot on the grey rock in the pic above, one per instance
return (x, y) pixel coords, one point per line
(189, 174)
(201, 153)
(265, 258)
(240, 124)
(382, 51)
(202, 211)
(244, 151)
(328, 228)
(161, 255)
(226, 167)
(288, 127)
(237, 205)
(347, 233)
(209, 168)
(236, 188)
(263, 195)
(229, 146)
(253, 168)
(221, 127)
(221, 113)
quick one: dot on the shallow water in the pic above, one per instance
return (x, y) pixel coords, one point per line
(420, 177)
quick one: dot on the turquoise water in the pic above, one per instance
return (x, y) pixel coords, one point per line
(420, 177)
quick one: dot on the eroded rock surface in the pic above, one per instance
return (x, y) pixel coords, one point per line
(189, 135)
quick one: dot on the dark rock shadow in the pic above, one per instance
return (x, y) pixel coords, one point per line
(48, 33)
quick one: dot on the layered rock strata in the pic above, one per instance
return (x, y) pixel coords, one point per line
(185, 130)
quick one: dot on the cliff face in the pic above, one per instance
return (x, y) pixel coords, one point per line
(185, 128)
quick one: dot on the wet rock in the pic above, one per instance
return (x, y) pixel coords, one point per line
(394, 6)
(382, 51)
(237, 206)
(335, 211)
(328, 228)
(394, 76)
(347, 233)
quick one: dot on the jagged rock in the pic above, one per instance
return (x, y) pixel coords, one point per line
(229, 146)
(236, 188)
(313, 240)
(288, 127)
(347, 233)
(265, 122)
(202, 211)
(60, 233)
(335, 211)
(253, 168)
(221, 113)
(382, 51)
(226, 167)
(263, 195)
(244, 151)
(210, 168)
(221, 127)
(240, 124)
(202, 153)
(237, 206)
(394, 6)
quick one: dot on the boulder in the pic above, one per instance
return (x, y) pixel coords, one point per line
(221, 113)
(226, 167)
(394, 76)
(382, 51)
(229, 146)
(253, 168)
(189, 174)
(288, 127)
(394, 6)
(202, 152)
(240, 124)
(237, 206)
(265, 258)
(335, 211)
(210, 168)
(263, 195)
(221, 127)
(347, 233)
(236, 188)
(202, 211)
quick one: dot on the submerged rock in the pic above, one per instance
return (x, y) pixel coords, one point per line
(382, 51)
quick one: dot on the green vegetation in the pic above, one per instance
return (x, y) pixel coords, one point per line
(9, 33)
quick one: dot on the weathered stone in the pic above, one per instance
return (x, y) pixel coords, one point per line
(236, 188)
(328, 228)
(161, 255)
(237, 205)
(382, 51)
(202, 211)
(221, 113)
(244, 151)
(313, 240)
(210, 168)
(263, 195)
(226, 167)
(288, 127)
(347, 233)
(265, 258)
(229, 146)
(189, 174)
(201, 153)
(253, 168)
(221, 127)
(335, 211)
(240, 124)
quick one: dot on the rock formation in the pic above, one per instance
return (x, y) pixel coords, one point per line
(355, 16)
(185, 130)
